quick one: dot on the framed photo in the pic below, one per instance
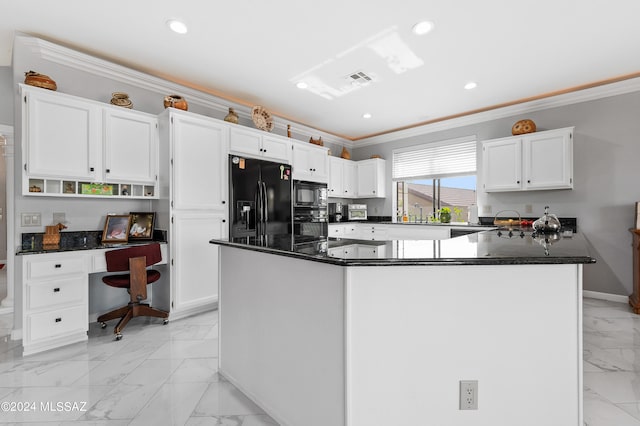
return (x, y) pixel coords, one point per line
(142, 225)
(638, 215)
(116, 229)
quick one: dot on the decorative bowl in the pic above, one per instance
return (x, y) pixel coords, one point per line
(261, 118)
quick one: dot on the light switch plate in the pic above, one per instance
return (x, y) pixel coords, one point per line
(30, 219)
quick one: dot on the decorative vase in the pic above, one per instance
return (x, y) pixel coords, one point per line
(121, 99)
(175, 101)
(345, 154)
(33, 78)
(232, 117)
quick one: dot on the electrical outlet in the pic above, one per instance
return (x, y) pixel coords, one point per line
(486, 209)
(468, 394)
(528, 208)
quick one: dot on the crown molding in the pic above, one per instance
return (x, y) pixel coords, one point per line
(84, 62)
(589, 94)
(102, 68)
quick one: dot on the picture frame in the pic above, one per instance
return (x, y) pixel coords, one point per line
(637, 214)
(116, 229)
(142, 226)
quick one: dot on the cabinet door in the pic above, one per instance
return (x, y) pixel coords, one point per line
(245, 142)
(310, 163)
(349, 179)
(200, 164)
(131, 146)
(548, 160)
(194, 273)
(502, 165)
(370, 178)
(276, 150)
(62, 135)
(335, 187)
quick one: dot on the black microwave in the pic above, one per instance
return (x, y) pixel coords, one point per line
(309, 194)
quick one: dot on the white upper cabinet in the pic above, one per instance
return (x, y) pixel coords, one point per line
(256, 144)
(342, 178)
(200, 162)
(130, 148)
(534, 161)
(371, 178)
(80, 147)
(61, 135)
(310, 162)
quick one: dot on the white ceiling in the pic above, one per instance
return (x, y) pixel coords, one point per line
(254, 51)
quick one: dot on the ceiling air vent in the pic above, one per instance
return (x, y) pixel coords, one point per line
(360, 78)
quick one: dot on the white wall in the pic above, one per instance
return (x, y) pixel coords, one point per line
(606, 176)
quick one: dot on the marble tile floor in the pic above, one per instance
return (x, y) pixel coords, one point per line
(167, 375)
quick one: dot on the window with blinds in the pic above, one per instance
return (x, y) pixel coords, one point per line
(433, 176)
(436, 160)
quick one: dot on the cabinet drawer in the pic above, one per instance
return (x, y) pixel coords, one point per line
(60, 292)
(55, 267)
(56, 323)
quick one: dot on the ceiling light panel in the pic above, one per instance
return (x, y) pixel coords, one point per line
(177, 26)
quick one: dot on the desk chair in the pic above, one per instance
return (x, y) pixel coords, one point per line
(135, 260)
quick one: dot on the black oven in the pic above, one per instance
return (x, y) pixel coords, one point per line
(310, 212)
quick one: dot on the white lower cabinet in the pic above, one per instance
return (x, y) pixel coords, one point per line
(55, 300)
(194, 273)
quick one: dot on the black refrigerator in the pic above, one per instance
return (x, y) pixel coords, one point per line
(260, 199)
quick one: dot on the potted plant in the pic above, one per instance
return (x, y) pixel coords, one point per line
(445, 215)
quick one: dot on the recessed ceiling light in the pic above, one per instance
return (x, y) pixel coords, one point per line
(366, 115)
(177, 26)
(422, 28)
(471, 85)
(302, 85)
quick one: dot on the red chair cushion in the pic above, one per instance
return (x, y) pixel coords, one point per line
(122, 280)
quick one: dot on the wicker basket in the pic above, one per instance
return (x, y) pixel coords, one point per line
(33, 78)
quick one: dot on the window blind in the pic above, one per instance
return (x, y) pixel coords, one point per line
(435, 160)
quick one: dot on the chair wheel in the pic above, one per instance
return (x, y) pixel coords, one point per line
(103, 325)
(118, 336)
(165, 322)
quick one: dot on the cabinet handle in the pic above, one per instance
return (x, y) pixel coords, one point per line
(223, 202)
(517, 181)
(224, 220)
(56, 290)
(58, 265)
(91, 169)
(108, 170)
(58, 319)
(528, 181)
(374, 191)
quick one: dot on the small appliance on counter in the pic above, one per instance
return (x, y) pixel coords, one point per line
(357, 211)
(335, 212)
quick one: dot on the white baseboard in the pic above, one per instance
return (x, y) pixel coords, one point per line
(606, 296)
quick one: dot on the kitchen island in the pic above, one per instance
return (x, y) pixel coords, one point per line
(355, 333)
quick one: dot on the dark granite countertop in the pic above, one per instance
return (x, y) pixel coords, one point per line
(78, 240)
(481, 248)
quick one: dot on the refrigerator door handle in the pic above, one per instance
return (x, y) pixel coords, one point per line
(265, 204)
(259, 229)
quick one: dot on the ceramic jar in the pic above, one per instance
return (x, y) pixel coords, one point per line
(232, 117)
(175, 101)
